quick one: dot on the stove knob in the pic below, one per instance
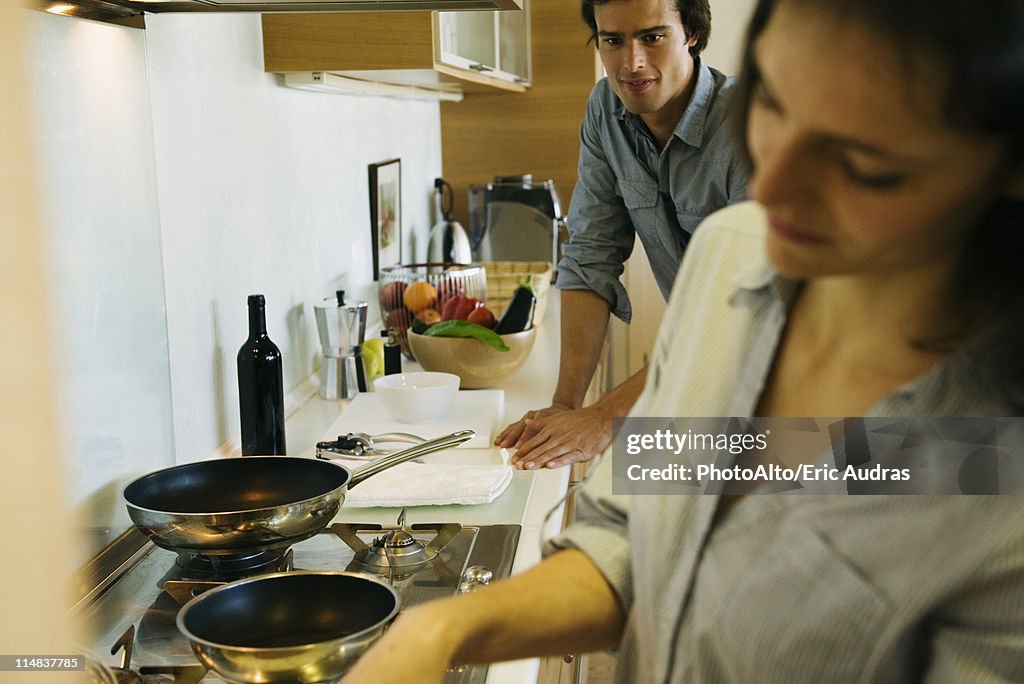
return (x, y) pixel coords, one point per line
(475, 577)
(480, 574)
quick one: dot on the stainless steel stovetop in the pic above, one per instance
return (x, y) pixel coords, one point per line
(143, 597)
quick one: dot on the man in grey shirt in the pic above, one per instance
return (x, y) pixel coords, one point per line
(657, 155)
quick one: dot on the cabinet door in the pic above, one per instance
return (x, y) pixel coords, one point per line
(514, 43)
(469, 40)
(494, 43)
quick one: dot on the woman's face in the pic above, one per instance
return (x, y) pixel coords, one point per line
(854, 160)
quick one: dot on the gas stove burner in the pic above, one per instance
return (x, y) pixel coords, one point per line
(399, 547)
(396, 549)
(183, 591)
(198, 566)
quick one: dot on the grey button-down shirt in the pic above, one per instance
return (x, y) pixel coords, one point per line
(796, 589)
(628, 186)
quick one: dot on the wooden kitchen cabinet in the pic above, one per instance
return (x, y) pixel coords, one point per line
(493, 43)
(467, 51)
(538, 132)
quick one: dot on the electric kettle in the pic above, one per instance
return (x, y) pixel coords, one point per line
(447, 241)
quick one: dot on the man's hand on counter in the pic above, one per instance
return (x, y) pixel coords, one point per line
(555, 437)
(560, 434)
(511, 435)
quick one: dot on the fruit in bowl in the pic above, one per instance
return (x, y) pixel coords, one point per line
(476, 362)
(414, 294)
(419, 296)
(392, 295)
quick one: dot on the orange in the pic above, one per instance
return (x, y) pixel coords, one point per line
(419, 296)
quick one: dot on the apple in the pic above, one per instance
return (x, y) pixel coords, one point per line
(482, 316)
(391, 295)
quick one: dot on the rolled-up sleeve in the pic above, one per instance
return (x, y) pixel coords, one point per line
(600, 530)
(601, 234)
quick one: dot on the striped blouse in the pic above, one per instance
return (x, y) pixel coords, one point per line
(798, 588)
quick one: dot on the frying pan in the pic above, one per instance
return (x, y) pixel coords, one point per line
(288, 626)
(235, 506)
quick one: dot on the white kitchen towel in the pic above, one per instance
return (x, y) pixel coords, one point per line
(477, 410)
(429, 484)
(432, 484)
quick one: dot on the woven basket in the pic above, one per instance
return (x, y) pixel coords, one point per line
(503, 277)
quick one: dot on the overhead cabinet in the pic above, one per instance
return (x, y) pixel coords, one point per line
(459, 51)
(493, 43)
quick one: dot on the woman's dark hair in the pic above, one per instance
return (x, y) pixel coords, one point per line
(980, 45)
(695, 16)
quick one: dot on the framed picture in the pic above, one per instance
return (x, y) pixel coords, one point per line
(386, 214)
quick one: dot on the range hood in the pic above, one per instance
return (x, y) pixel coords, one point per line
(112, 9)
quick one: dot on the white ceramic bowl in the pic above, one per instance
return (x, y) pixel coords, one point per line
(417, 397)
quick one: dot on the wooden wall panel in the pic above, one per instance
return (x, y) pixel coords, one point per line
(537, 132)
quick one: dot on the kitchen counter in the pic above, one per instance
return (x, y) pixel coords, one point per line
(534, 499)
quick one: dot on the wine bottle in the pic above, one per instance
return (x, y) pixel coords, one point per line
(260, 387)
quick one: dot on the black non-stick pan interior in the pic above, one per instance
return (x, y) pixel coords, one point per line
(235, 484)
(292, 609)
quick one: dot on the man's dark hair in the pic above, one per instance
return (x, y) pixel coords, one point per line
(695, 16)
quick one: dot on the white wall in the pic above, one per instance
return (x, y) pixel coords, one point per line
(180, 178)
(94, 139)
(728, 28)
(263, 189)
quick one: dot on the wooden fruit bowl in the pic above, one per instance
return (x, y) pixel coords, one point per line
(478, 364)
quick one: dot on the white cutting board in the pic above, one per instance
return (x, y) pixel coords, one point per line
(477, 410)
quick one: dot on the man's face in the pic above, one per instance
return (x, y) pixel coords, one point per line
(645, 51)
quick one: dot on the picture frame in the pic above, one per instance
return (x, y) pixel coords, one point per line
(386, 214)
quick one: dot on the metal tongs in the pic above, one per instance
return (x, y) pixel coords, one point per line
(359, 445)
